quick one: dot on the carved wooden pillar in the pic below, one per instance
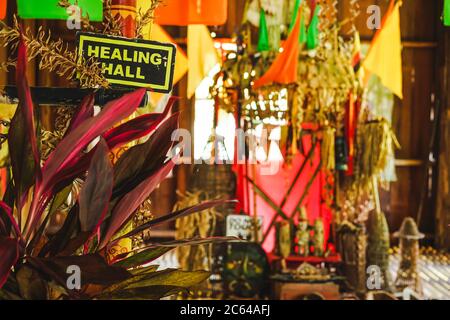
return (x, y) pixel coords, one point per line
(127, 11)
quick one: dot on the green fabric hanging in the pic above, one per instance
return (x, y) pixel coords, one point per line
(263, 41)
(303, 33)
(294, 17)
(313, 31)
(49, 9)
(447, 13)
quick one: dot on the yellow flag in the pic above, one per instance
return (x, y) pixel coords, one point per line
(157, 33)
(385, 55)
(181, 63)
(202, 56)
(7, 112)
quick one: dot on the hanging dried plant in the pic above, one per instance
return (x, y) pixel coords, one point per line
(56, 56)
(145, 18)
(111, 24)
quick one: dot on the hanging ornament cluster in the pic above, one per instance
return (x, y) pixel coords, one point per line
(269, 107)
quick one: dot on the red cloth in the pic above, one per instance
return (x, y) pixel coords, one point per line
(276, 187)
(185, 12)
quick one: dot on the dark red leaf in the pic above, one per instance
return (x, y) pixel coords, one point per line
(26, 102)
(133, 199)
(22, 141)
(137, 128)
(72, 145)
(87, 131)
(75, 243)
(9, 253)
(84, 112)
(94, 269)
(140, 161)
(97, 189)
(3, 229)
(8, 211)
(80, 164)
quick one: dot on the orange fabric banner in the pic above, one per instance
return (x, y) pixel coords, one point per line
(185, 12)
(284, 68)
(3, 4)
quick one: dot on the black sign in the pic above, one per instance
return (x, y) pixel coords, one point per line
(131, 62)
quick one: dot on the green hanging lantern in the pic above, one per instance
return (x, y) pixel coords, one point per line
(313, 30)
(263, 41)
(294, 17)
(49, 9)
(446, 15)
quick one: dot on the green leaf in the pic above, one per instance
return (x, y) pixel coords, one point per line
(31, 285)
(94, 269)
(186, 279)
(143, 270)
(58, 200)
(147, 293)
(137, 278)
(165, 278)
(62, 238)
(9, 254)
(142, 257)
(7, 295)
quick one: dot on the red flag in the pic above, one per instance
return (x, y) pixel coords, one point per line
(284, 68)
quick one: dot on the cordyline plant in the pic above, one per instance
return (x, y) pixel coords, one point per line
(33, 264)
